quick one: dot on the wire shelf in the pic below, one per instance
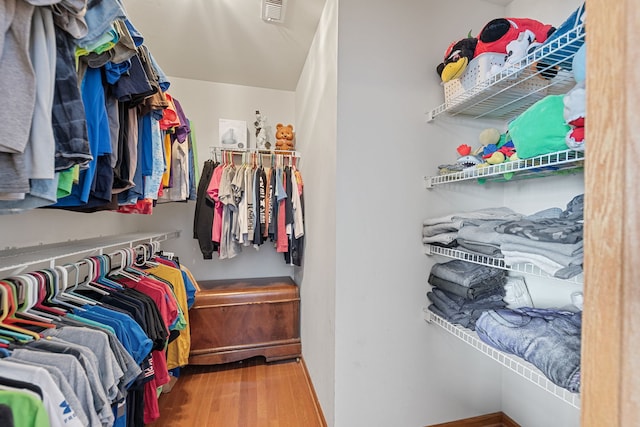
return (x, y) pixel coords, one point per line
(513, 363)
(535, 167)
(529, 269)
(511, 91)
(17, 259)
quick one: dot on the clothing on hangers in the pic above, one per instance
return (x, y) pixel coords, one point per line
(104, 329)
(251, 204)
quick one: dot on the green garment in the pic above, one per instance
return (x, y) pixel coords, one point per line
(28, 410)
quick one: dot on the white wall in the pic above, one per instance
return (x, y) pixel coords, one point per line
(204, 103)
(44, 226)
(392, 369)
(316, 97)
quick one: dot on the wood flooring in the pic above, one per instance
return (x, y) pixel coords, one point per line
(252, 393)
(497, 419)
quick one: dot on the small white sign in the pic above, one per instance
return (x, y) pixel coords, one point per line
(233, 134)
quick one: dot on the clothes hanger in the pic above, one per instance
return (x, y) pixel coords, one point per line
(89, 282)
(105, 269)
(12, 303)
(41, 289)
(121, 271)
(59, 286)
(69, 293)
(29, 309)
(51, 279)
(148, 253)
(12, 331)
(27, 287)
(100, 268)
(156, 246)
(141, 258)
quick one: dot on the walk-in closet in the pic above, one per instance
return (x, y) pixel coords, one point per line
(348, 257)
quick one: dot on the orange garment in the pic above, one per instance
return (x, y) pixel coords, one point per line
(178, 349)
(299, 180)
(167, 158)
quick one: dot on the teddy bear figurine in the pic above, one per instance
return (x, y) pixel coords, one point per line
(285, 138)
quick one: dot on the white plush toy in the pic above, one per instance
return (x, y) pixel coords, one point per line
(575, 103)
(574, 115)
(519, 48)
(516, 50)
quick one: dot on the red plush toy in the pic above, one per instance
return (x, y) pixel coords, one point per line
(494, 37)
(498, 32)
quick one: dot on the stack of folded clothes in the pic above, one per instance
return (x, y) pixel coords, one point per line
(549, 339)
(462, 291)
(443, 231)
(551, 242)
(551, 239)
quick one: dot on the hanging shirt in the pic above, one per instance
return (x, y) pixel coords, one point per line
(298, 228)
(238, 189)
(99, 137)
(167, 160)
(109, 370)
(59, 411)
(203, 215)
(25, 407)
(249, 193)
(213, 190)
(153, 182)
(89, 364)
(229, 247)
(74, 373)
(67, 391)
(177, 350)
(282, 240)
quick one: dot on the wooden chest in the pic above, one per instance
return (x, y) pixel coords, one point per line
(241, 318)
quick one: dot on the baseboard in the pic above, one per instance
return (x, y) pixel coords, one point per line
(497, 419)
(316, 402)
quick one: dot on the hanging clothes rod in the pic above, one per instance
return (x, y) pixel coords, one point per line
(15, 260)
(238, 151)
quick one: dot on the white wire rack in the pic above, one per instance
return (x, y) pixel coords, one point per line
(511, 91)
(513, 363)
(495, 262)
(15, 260)
(535, 167)
(217, 150)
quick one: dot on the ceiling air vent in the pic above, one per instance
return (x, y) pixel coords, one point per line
(273, 10)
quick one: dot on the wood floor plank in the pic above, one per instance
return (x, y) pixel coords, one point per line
(262, 405)
(496, 419)
(252, 393)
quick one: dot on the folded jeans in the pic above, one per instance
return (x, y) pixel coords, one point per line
(548, 339)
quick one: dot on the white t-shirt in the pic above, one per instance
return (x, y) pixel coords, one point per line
(60, 412)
